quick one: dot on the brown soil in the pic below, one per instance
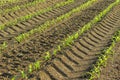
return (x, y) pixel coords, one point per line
(112, 69)
(26, 53)
(72, 62)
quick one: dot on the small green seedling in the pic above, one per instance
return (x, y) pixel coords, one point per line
(4, 44)
(13, 78)
(30, 68)
(23, 74)
(37, 65)
(47, 57)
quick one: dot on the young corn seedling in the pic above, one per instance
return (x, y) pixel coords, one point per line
(37, 65)
(47, 57)
(3, 46)
(21, 37)
(56, 50)
(13, 78)
(59, 48)
(30, 68)
(23, 74)
(76, 35)
(102, 60)
(95, 72)
(68, 41)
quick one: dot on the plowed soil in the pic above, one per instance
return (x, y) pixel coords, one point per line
(69, 64)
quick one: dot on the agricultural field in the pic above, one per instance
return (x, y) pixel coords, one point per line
(59, 39)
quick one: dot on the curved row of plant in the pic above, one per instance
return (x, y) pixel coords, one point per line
(29, 16)
(66, 42)
(49, 23)
(102, 60)
(21, 6)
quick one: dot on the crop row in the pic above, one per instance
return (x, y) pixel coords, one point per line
(29, 16)
(49, 23)
(102, 60)
(21, 6)
(68, 41)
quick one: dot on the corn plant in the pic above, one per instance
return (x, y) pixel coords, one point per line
(68, 41)
(56, 50)
(94, 73)
(3, 46)
(48, 56)
(30, 68)
(13, 78)
(20, 38)
(23, 74)
(37, 65)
